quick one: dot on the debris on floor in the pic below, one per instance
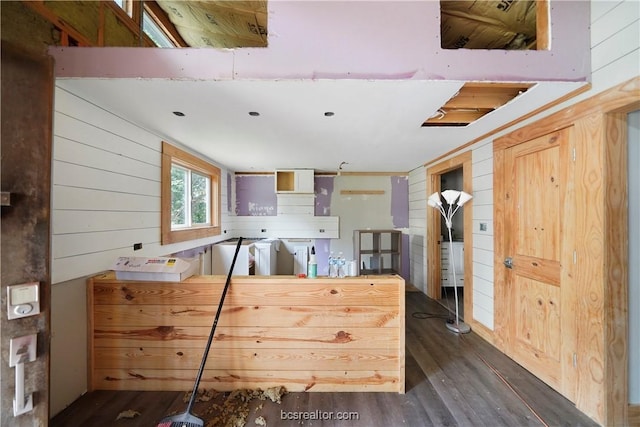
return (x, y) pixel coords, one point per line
(231, 409)
(129, 413)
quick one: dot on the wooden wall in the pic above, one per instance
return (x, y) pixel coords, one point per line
(306, 335)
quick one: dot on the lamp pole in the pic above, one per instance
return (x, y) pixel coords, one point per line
(454, 200)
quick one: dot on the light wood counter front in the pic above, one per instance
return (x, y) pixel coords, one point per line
(305, 334)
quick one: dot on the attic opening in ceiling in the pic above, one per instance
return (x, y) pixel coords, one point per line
(473, 101)
(218, 24)
(491, 24)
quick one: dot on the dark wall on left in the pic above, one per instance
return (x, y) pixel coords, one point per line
(26, 147)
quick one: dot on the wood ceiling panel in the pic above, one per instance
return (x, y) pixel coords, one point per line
(473, 101)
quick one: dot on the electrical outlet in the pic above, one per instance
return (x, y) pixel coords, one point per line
(22, 349)
(483, 226)
(137, 246)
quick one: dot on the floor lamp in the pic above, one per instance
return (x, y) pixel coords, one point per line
(454, 200)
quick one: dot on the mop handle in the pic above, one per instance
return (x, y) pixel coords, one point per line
(213, 329)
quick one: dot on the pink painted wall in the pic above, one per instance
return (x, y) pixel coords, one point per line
(351, 40)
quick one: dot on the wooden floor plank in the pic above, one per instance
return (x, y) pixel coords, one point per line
(451, 380)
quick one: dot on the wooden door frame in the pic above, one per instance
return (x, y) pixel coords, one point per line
(600, 243)
(434, 174)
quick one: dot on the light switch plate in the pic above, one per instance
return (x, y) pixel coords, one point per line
(22, 349)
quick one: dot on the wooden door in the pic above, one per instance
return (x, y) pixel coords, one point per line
(538, 323)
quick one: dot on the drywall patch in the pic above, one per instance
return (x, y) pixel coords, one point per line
(400, 201)
(323, 190)
(255, 195)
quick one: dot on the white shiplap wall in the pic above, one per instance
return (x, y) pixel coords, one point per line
(482, 184)
(106, 195)
(106, 190)
(418, 227)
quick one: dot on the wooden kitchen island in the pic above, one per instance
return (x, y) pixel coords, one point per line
(304, 334)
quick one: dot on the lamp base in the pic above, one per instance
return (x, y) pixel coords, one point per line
(459, 327)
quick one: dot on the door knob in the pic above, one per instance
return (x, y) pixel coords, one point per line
(508, 262)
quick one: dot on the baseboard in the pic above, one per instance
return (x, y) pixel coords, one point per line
(634, 415)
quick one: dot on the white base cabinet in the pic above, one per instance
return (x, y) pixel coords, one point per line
(446, 264)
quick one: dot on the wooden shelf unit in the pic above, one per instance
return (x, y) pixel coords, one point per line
(378, 251)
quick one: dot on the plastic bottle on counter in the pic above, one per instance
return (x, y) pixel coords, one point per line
(312, 269)
(333, 268)
(341, 261)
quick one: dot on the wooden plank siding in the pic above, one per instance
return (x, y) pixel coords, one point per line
(306, 335)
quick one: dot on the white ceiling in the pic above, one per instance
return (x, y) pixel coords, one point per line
(376, 124)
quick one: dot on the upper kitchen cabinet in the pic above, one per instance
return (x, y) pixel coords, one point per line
(295, 181)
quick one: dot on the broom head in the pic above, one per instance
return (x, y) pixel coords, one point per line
(182, 420)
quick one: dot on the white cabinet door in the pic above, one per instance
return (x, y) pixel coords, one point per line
(449, 261)
(304, 181)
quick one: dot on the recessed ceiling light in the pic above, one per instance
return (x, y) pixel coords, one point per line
(179, 113)
(254, 113)
(329, 113)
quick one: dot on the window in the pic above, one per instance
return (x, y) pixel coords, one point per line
(155, 33)
(190, 196)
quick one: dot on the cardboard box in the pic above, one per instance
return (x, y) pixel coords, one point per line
(161, 269)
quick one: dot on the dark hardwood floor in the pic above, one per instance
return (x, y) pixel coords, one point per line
(451, 380)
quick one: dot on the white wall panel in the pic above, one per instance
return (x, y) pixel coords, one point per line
(87, 199)
(417, 227)
(73, 175)
(483, 182)
(483, 167)
(480, 153)
(484, 212)
(94, 135)
(105, 191)
(482, 161)
(81, 154)
(608, 21)
(99, 118)
(74, 221)
(615, 47)
(483, 256)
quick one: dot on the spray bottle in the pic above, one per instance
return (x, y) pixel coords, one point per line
(312, 269)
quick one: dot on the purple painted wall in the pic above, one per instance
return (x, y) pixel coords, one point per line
(255, 195)
(324, 190)
(400, 201)
(229, 192)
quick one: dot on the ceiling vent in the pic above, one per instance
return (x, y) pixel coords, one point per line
(473, 101)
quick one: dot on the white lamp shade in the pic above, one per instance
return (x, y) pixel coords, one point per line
(464, 198)
(434, 200)
(451, 196)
